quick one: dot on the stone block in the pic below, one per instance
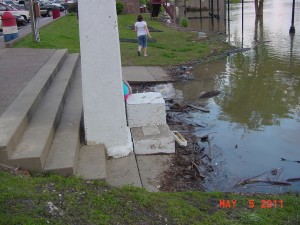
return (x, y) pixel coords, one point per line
(145, 109)
(153, 139)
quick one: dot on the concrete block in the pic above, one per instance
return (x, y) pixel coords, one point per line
(145, 109)
(153, 140)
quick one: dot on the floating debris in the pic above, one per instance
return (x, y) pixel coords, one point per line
(201, 108)
(209, 94)
(288, 160)
(293, 179)
(270, 177)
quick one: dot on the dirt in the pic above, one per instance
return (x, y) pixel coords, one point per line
(191, 164)
(15, 171)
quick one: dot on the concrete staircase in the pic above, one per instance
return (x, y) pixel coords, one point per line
(40, 130)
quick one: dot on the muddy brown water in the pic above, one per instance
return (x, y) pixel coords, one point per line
(255, 120)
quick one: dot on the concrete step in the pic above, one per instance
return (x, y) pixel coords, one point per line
(32, 150)
(153, 139)
(15, 119)
(92, 162)
(123, 171)
(63, 154)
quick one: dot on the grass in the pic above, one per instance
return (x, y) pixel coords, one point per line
(62, 33)
(235, 1)
(171, 47)
(53, 199)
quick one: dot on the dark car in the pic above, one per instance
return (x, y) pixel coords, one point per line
(46, 9)
(13, 4)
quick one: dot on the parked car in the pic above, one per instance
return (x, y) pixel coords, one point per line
(46, 9)
(13, 4)
(22, 16)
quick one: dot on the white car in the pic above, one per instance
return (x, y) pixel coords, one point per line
(22, 16)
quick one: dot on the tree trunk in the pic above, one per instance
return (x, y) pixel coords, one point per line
(259, 6)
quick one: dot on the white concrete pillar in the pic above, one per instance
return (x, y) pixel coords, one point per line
(103, 102)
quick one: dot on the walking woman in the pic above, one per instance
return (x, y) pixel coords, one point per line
(142, 31)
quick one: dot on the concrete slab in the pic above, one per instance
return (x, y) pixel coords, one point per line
(150, 74)
(123, 171)
(153, 140)
(137, 74)
(92, 162)
(2, 109)
(158, 73)
(18, 67)
(17, 74)
(31, 52)
(6, 62)
(2, 51)
(151, 168)
(8, 92)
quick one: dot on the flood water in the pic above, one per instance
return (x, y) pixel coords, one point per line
(255, 121)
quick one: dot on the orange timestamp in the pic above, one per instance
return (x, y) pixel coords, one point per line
(264, 203)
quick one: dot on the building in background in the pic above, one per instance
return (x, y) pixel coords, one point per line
(131, 6)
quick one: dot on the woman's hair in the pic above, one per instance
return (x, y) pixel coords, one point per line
(139, 18)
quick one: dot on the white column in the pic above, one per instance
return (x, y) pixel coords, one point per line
(103, 102)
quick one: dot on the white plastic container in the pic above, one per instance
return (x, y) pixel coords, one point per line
(179, 138)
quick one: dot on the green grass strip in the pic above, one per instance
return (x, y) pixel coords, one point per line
(171, 47)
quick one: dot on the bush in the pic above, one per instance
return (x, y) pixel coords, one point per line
(148, 5)
(73, 8)
(184, 22)
(120, 7)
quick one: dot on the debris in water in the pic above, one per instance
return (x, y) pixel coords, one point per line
(270, 177)
(204, 138)
(201, 108)
(293, 179)
(209, 94)
(198, 170)
(288, 160)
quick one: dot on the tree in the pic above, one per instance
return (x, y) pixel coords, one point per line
(259, 5)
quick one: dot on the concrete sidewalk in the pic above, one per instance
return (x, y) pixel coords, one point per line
(138, 74)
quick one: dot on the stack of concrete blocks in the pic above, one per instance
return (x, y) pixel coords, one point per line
(146, 116)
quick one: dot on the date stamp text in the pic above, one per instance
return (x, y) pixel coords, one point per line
(264, 203)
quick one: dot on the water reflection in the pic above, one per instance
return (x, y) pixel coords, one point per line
(259, 107)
